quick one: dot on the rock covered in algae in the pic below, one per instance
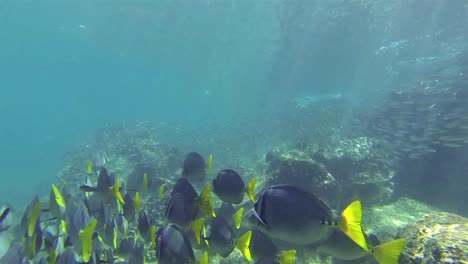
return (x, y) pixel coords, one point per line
(358, 169)
(296, 167)
(385, 221)
(436, 238)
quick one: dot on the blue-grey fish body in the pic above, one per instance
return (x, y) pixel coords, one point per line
(229, 186)
(182, 207)
(291, 214)
(261, 246)
(173, 247)
(194, 166)
(221, 237)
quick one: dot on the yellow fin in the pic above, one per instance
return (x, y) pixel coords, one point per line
(197, 226)
(144, 186)
(89, 167)
(286, 257)
(243, 245)
(209, 164)
(137, 202)
(63, 226)
(250, 190)
(350, 224)
(205, 203)
(33, 217)
(161, 190)
(388, 253)
(58, 196)
(238, 217)
(86, 238)
(114, 238)
(116, 192)
(153, 235)
(204, 258)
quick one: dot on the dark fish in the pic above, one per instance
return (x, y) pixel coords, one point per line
(4, 214)
(227, 211)
(173, 247)
(229, 187)
(291, 214)
(129, 208)
(5, 219)
(194, 166)
(105, 181)
(222, 241)
(261, 246)
(221, 237)
(184, 203)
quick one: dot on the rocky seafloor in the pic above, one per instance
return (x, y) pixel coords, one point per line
(344, 171)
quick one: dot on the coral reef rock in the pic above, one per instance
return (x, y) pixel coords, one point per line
(358, 169)
(296, 167)
(436, 238)
(385, 221)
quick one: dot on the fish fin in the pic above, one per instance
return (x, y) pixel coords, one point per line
(238, 217)
(137, 202)
(161, 190)
(243, 245)
(33, 218)
(204, 258)
(114, 239)
(209, 164)
(286, 257)
(197, 226)
(63, 226)
(388, 253)
(89, 167)
(116, 192)
(58, 196)
(153, 235)
(250, 190)
(350, 224)
(86, 238)
(205, 202)
(144, 186)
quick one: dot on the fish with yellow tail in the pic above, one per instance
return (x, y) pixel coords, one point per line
(230, 187)
(289, 213)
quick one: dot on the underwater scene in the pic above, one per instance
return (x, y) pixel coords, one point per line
(234, 131)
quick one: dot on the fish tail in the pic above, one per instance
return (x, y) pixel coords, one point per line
(388, 253)
(350, 224)
(86, 238)
(144, 186)
(204, 258)
(209, 164)
(243, 245)
(197, 227)
(116, 192)
(286, 257)
(89, 167)
(250, 190)
(205, 202)
(137, 202)
(153, 235)
(58, 196)
(33, 218)
(161, 190)
(238, 217)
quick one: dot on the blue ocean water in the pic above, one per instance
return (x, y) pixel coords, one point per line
(241, 80)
